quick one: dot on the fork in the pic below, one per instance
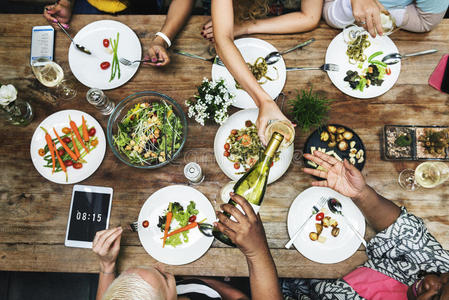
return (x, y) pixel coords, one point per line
(134, 226)
(127, 62)
(317, 208)
(214, 59)
(325, 67)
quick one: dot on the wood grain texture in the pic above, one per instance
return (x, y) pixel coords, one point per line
(33, 211)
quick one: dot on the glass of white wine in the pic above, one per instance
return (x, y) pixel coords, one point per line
(429, 174)
(51, 75)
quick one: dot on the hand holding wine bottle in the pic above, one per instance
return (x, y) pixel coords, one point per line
(247, 232)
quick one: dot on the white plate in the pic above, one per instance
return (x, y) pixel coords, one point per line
(86, 68)
(251, 49)
(60, 120)
(336, 54)
(237, 121)
(334, 249)
(155, 206)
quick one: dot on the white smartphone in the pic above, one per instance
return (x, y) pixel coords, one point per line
(42, 42)
(90, 210)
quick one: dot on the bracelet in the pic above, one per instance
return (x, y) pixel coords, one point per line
(165, 38)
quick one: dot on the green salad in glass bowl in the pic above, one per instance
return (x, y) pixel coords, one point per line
(147, 130)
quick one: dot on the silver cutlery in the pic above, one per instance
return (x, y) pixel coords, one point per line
(325, 67)
(77, 46)
(134, 226)
(127, 62)
(336, 208)
(213, 60)
(320, 205)
(394, 58)
(274, 57)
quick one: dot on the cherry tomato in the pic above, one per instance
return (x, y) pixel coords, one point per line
(106, 43)
(78, 165)
(91, 132)
(154, 140)
(319, 216)
(388, 71)
(61, 152)
(272, 163)
(94, 143)
(236, 165)
(66, 130)
(234, 131)
(104, 65)
(145, 224)
(227, 146)
(248, 123)
(68, 163)
(66, 140)
(41, 152)
(226, 153)
(192, 219)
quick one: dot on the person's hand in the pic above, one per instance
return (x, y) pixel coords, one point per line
(106, 245)
(60, 11)
(367, 14)
(157, 53)
(342, 177)
(268, 110)
(208, 30)
(247, 231)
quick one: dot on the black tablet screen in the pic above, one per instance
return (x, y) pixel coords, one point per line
(89, 215)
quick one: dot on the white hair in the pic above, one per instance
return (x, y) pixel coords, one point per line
(131, 286)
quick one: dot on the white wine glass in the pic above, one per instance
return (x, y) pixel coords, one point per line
(51, 75)
(428, 174)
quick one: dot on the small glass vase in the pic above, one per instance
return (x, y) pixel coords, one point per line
(18, 112)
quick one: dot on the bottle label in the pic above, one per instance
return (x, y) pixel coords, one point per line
(255, 208)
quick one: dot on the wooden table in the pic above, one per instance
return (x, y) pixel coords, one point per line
(33, 211)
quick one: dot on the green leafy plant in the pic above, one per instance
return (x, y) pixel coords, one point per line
(309, 110)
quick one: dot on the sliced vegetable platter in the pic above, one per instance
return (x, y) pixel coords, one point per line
(79, 162)
(151, 236)
(378, 48)
(101, 38)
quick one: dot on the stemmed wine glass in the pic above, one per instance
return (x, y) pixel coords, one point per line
(50, 74)
(429, 174)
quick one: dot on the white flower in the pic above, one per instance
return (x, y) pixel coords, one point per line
(8, 94)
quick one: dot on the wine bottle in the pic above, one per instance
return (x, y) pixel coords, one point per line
(253, 183)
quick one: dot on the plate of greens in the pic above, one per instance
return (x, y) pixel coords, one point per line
(147, 130)
(237, 147)
(362, 74)
(270, 77)
(187, 205)
(107, 40)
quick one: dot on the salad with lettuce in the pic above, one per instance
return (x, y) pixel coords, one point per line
(178, 220)
(149, 134)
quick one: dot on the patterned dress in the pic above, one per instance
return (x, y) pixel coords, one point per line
(401, 251)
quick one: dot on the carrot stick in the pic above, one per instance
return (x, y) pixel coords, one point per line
(77, 134)
(66, 148)
(167, 224)
(74, 146)
(85, 133)
(49, 141)
(187, 227)
(61, 163)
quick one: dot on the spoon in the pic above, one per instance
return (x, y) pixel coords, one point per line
(394, 58)
(275, 56)
(206, 229)
(336, 208)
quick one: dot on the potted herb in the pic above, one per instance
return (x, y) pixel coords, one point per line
(309, 110)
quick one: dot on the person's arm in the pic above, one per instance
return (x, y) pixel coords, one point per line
(249, 235)
(61, 11)
(223, 20)
(106, 245)
(346, 179)
(177, 16)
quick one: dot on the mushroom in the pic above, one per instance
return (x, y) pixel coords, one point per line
(335, 231)
(324, 136)
(331, 129)
(341, 129)
(348, 135)
(343, 146)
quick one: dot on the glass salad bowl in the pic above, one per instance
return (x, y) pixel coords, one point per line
(147, 130)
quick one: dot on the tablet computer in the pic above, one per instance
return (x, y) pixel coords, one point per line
(89, 212)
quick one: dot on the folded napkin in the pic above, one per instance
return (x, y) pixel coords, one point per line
(440, 76)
